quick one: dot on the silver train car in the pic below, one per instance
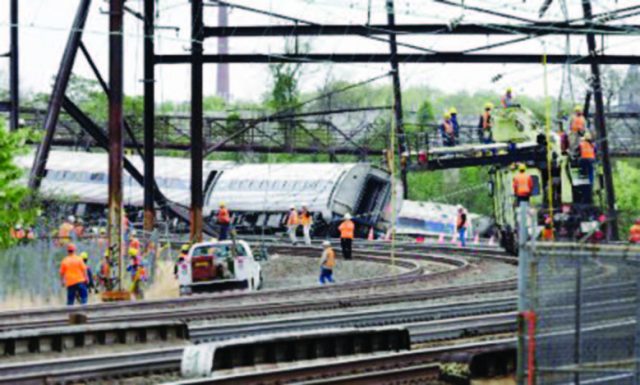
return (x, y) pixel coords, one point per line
(258, 195)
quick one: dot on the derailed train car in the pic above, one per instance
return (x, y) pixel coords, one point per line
(258, 195)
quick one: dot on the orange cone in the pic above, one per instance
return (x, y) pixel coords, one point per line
(491, 241)
(370, 237)
(441, 239)
(476, 239)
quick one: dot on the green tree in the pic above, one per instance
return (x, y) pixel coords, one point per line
(13, 194)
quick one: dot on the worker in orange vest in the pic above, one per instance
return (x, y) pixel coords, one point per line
(73, 273)
(138, 274)
(18, 233)
(634, 232)
(65, 230)
(306, 220)
(547, 231)
(224, 221)
(578, 126)
(485, 125)
(587, 156)
(347, 229)
(104, 274)
(292, 224)
(327, 263)
(447, 131)
(78, 228)
(522, 185)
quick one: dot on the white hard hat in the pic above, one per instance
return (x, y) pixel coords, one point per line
(305, 205)
(71, 218)
(347, 216)
(292, 207)
(326, 243)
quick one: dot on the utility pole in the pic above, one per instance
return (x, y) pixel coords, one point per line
(116, 139)
(222, 82)
(601, 126)
(397, 96)
(149, 115)
(14, 69)
(197, 35)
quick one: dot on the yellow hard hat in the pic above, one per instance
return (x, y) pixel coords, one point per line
(522, 167)
(446, 115)
(509, 89)
(587, 136)
(84, 255)
(133, 252)
(577, 109)
(185, 247)
(488, 105)
(453, 110)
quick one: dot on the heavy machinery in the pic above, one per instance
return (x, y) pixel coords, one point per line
(219, 266)
(519, 138)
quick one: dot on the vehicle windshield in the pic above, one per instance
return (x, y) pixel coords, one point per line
(219, 251)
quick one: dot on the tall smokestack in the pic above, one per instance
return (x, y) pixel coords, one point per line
(222, 85)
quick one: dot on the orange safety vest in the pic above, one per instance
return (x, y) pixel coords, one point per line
(634, 234)
(78, 230)
(105, 269)
(330, 262)
(73, 270)
(65, 230)
(223, 216)
(547, 234)
(486, 120)
(134, 243)
(578, 124)
(459, 222)
(18, 234)
(292, 220)
(522, 184)
(448, 127)
(346, 229)
(587, 151)
(305, 218)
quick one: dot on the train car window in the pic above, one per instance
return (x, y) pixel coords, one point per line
(96, 177)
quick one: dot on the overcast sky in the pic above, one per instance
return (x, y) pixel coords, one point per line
(45, 26)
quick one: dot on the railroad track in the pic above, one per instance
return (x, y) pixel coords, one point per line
(270, 301)
(167, 361)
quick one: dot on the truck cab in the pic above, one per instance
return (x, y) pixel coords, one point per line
(219, 266)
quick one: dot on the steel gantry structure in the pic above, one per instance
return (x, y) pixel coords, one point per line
(197, 58)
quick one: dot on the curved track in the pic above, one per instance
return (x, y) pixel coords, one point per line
(409, 285)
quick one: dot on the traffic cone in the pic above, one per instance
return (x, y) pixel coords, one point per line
(454, 239)
(420, 240)
(476, 239)
(491, 241)
(370, 237)
(441, 239)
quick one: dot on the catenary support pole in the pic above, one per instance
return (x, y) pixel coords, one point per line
(14, 68)
(149, 115)
(397, 96)
(601, 128)
(222, 81)
(59, 88)
(116, 137)
(197, 28)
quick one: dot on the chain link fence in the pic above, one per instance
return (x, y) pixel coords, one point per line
(579, 307)
(30, 271)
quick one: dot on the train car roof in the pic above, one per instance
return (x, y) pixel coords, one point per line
(275, 187)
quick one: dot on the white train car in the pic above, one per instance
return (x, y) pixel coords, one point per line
(260, 195)
(83, 177)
